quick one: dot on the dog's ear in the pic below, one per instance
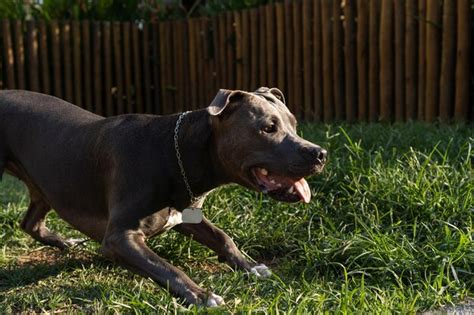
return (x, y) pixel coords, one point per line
(222, 99)
(278, 94)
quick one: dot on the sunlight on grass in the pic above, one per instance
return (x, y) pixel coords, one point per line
(389, 228)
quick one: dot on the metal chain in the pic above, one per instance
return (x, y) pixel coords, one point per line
(178, 157)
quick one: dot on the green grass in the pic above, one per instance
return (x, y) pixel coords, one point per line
(389, 229)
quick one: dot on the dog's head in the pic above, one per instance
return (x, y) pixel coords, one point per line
(258, 147)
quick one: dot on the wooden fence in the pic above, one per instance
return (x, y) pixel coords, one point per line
(358, 61)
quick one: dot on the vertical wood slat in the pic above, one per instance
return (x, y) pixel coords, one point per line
(222, 69)
(350, 74)
(270, 44)
(137, 71)
(9, 55)
(19, 54)
(290, 91)
(199, 64)
(262, 58)
(179, 105)
(170, 75)
(77, 49)
(193, 62)
(230, 49)
(164, 98)
(280, 37)
(317, 62)
(107, 40)
(338, 61)
(87, 62)
(67, 60)
(307, 66)
(56, 54)
(182, 68)
(411, 63)
(207, 63)
(399, 50)
(374, 84)
(239, 51)
(156, 69)
(326, 12)
(386, 60)
(363, 59)
(185, 68)
(448, 67)
(463, 66)
(421, 58)
(297, 71)
(433, 39)
(97, 53)
(254, 78)
(146, 68)
(245, 37)
(118, 66)
(44, 58)
(216, 84)
(32, 45)
(126, 43)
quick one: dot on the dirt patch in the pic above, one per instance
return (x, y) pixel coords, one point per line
(52, 256)
(465, 308)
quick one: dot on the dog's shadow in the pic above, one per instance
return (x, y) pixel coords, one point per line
(44, 263)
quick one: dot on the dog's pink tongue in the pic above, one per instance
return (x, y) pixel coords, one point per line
(302, 188)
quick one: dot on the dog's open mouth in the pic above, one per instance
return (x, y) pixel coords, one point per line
(282, 188)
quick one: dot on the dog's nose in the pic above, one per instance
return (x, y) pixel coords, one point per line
(323, 154)
(314, 153)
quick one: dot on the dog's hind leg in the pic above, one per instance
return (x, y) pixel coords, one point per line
(34, 223)
(211, 236)
(3, 161)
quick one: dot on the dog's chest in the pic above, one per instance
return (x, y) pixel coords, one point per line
(167, 218)
(174, 218)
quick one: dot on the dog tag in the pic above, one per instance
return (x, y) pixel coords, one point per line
(192, 215)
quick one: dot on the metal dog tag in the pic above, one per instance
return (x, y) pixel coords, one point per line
(192, 215)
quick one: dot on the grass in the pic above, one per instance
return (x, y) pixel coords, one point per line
(389, 229)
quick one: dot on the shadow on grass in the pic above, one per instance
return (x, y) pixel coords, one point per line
(42, 264)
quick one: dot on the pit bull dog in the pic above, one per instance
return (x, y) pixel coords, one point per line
(123, 179)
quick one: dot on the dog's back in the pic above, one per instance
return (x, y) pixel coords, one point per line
(28, 118)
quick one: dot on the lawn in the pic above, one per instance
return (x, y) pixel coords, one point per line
(389, 229)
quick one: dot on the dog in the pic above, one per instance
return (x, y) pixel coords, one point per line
(123, 179)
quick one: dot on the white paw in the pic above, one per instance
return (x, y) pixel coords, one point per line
(214, 300)
(261, 271)
(75, 241)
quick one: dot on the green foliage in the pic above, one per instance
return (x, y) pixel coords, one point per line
(214, 6)
(118, 10)
(12, 9)
(389, 230)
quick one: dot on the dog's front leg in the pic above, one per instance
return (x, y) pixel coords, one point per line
(211, 236)
(129, 249)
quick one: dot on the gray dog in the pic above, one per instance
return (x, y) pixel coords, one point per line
(124, 179)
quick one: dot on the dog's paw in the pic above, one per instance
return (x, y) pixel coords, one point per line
(70, 242)
(214, 300)
(261, 271)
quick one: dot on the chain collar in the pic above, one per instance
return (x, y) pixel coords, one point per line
(194, 199)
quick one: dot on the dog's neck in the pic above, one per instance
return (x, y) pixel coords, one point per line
(202, 167)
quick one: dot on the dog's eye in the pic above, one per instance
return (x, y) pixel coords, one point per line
(270, 128)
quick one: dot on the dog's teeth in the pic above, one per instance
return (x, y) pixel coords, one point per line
(264, 171)
(291, 190)
(272, 181)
